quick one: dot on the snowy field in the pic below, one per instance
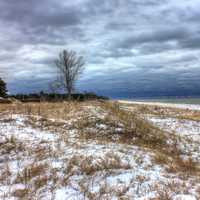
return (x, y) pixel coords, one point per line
(169, 105)
(50, 159)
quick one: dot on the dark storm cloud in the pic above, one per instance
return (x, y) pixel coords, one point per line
(158, 36)
(193, 42)
(30, 14)
(44, 22)
(130, 47)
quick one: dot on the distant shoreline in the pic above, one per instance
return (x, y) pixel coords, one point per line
(178, 100)
(163, 104)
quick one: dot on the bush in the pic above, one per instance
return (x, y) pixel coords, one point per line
(3, 90)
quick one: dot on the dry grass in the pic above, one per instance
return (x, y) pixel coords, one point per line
(21, 193)
(161, 158)
(9, 145)
(166, 112)
(153, 138)
(167, 190)
(110, 124)
(44, 109)
(30, 172)
(187, 166)
(136, 130)
(177, 164)
(127, 125)
(4, 174)
(110, 161)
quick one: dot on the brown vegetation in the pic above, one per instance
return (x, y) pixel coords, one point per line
(99, 121)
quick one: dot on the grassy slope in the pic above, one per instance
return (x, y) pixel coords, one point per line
(83, 127)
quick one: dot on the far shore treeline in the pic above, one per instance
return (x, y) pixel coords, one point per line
(54, 97)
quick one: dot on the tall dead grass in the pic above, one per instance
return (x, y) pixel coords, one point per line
(127, 125)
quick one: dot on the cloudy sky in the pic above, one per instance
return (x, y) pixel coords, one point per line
(131, 47)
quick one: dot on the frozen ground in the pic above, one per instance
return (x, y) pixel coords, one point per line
(188, 128)
(51, 164)
(169, 105)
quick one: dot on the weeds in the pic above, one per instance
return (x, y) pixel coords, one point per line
(30, 172)
(92, 123)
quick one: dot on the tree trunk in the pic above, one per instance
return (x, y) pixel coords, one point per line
(69, 95)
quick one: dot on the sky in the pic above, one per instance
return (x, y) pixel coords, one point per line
(132, 48)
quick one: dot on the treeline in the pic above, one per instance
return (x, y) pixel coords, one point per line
(53, 97)
(69, 66)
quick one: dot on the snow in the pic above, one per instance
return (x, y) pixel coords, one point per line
(18, 127)
(168, 105)
(68, 194)
(187, 130)
(87, 167)
(184, 197)
(182, 127)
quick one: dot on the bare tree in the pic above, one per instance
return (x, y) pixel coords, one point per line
(70, 66)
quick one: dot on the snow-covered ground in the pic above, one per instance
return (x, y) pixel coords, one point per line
(188, 128)
(169, 105)
(42, 164)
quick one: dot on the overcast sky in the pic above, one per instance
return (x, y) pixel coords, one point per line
(131, 47)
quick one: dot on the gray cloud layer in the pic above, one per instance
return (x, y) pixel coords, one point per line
(132, 47)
